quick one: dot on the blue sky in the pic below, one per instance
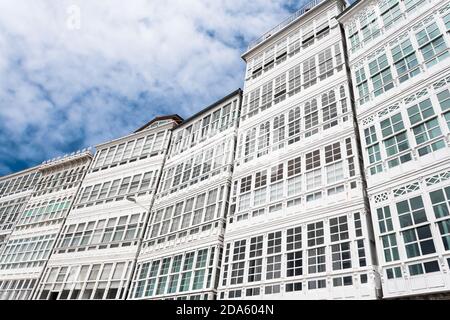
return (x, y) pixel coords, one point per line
(65, 86)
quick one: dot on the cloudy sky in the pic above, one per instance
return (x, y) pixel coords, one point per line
(68, 83)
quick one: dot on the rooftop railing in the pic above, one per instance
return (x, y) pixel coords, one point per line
(286, 22)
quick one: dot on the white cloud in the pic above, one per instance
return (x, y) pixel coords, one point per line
(63, 88)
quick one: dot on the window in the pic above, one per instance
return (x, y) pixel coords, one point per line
(294, 239)
(390, 12)
(444, 99)
(246, 184)
(315, 234)
(425, 132)
(276, 173)
(294, 264)
(294, 125)
(316, 260)
(274, 242)
(325, 64)
(441, 202)
(264, 138)
(313, 179)
(239, 250)
(369, 26)
(266, 96)
(309, 72)
(313, 160)
(411, 212)
(294, 186)
(256, 245)
(260, 196)
(278, 132)
(335, 172)
(338, 229)
(255, 270)
(374, 153)
(361, 85)
(311, 117)
(418, 241)
(329, 110)
(294, 43)
(432, 45)
(405, 60)
(393, 273)
(294, 166)
(317, 284)
(384, 219)
(249, 145)
(254, 102)
(272, 289)
(280, 88)
(420, 111)
(380, 74)
(342, 281)
(390, 248)
(444, 228)
(294, 81)
(412, 4)
(396, 144)
(370, 135)
(273, 269)
(260, 179)
(358, 225)
(294, 286)
(332, 152)
(340, 254)
(421, 268)
(353, 38)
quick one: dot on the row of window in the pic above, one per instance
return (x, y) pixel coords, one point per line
(139, 183)
(384, 73)
(302, 76)
(27, 252)
(379, 18)
(191, 212)
(60, 180)
(298, 40)
(9, 212)
(293, 125)
(414, 225)
(301, 250)
(95, 281)
(206, 127)
(103, 233)
(18, 184)
(293, 287)
(268, 185)
(44, 211)
(415, 269)
(17, 289)
(197, 168)
(151, 144)
(391, 132)
(189, 271)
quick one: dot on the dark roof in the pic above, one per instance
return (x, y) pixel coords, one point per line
(215, 104)
(174, 117)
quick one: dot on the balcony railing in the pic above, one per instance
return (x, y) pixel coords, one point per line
(286, 22)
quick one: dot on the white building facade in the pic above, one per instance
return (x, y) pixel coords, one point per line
(15, 190)
(96, 251)
(399, 60)
(30, 244)
(181, 254)
(298, 226)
